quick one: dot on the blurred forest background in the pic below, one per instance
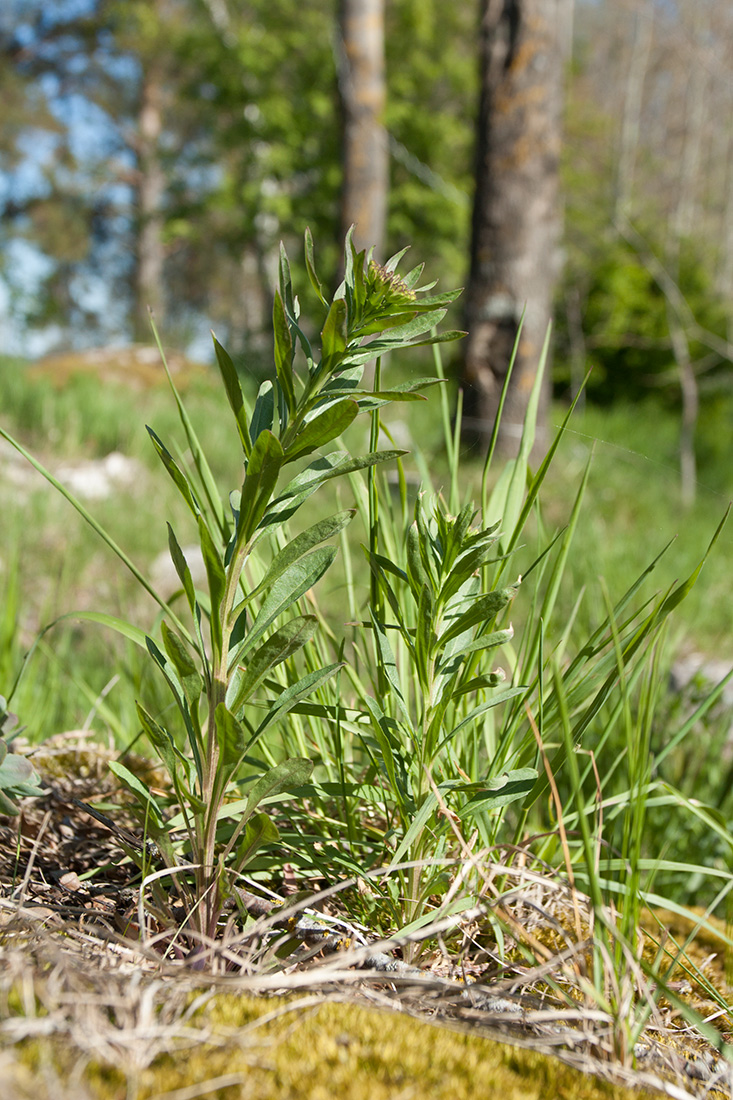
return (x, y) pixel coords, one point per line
(155, 152)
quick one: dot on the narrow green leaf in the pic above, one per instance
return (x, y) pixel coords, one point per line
(263, 469)
(424, 636)
(181, 566)
(501, 791)
(284, 353)
(301, 544)
(140, 791)
(289, 587)
(485, 609)
(324, 427)
(389, 665)
(189, 675)
(286, 282)
(197, 452)
(417, 575)
(178, 477)
(234, 394)
(333, 465)
(281, 645)
(482, 708)
(484, 641)
(292, 695)
(284, 776)
(310, 266)
(120, 626)
(682, 590)
(263, 416)
(391, 749)
(415, 830)
(333, 337)
(259, 830)
(295, 772)
(230, 736)
(159, 738)
(217, 581)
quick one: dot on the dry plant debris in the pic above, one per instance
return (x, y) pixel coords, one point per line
(88, 1012)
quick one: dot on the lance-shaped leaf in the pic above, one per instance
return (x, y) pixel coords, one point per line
(482, 708)
(301, 544)
(216, 578)
(263, 416)
(466, 566)
(286, 282)
(417, 825)
(289, 773)
(283, 352)
(310, 266)
(289, 587)
(389, 665)
(263, 470)
(417, 575)
(416, 326)
(424, 635)
(170, 674)
(259, 830)
(231, 738)
(234, 394)
(333, 337)
(500, 791)
(160, 739)
(483, 610)
(391, 748)
(381, 347)
(188, 673)
(322, 469)
(141, 793)
(179, 478)
(324, 427)
(181, 567)
(293, 695)
(283, 643)
(484, 641)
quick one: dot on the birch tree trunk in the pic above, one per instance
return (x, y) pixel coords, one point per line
(516, 218)
(363, 97)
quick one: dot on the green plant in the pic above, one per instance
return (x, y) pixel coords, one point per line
(18, 777)
(217, 668)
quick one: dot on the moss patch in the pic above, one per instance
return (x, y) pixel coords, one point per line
(315, 1052)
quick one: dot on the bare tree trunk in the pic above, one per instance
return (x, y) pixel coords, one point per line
(516, 218)
(725, 276)
(149, 286)
(363, 97)
(633, 97)
(689, 170)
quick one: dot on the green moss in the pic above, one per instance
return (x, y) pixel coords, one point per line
(321, 1051)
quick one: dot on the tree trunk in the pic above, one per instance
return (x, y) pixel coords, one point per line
(641, 45)
(516, 218)
(363, 98)
(149, 287)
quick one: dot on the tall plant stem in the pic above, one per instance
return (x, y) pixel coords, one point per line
(375, 594)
